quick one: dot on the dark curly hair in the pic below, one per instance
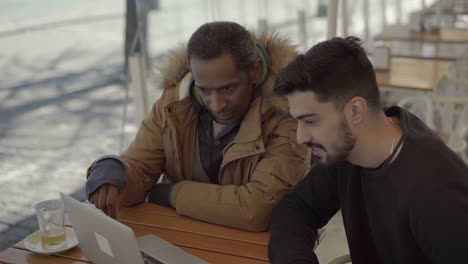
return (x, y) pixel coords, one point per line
(214, 39)
(334, 70)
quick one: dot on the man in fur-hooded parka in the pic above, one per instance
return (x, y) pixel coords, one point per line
(225, 145)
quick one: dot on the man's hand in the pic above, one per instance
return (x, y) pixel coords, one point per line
(106, 198)
(161, 194)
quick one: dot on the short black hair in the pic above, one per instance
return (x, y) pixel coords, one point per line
(216, 38)
(334, 70)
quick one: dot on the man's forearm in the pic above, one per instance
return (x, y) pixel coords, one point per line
(245, 207)
(292, 235)
(105, 171)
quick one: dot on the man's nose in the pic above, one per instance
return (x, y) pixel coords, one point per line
(302, 135)
(217, 103)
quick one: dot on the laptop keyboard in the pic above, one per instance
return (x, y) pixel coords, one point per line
(149, 259)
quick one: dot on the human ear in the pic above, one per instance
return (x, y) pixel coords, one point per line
(356, 110)
(254, 73)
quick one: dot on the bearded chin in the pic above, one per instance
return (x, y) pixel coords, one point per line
(343, 148)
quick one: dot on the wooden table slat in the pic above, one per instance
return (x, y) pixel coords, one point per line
(74, 253)
(19, 256)
(214, 244)
(153, 208)
(192, 226)
(213, 257)
(209, 256)
(404, 33)
(421, 50)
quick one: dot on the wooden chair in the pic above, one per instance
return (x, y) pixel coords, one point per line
(446, 115)
(445, 108)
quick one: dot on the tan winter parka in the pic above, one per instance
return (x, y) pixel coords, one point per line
(259, 166)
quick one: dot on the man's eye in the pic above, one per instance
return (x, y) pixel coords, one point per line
(227, 88)
(310, 122)
(203, 90)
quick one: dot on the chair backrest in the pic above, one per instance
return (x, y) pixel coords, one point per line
(445, 109)
(446, 115)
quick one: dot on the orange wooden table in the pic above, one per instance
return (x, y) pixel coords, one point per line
(404, 33)
(446, 44)
(422, 50)
(213, 243)
(412, 73)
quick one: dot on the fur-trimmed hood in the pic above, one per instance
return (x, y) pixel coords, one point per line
(280, 51)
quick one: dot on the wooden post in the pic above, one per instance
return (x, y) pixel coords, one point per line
(332, 18)
(137, 84)
(302, 24)
(384, 12)
(262, 26)
(344, 17)
(438, 14)
(399, 11)
(365, 11)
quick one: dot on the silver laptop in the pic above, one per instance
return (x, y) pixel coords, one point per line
(104, 240)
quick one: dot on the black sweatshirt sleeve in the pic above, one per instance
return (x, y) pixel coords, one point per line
(298, 216)
(439, 222)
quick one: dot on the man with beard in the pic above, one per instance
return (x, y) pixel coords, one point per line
(403, 193)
